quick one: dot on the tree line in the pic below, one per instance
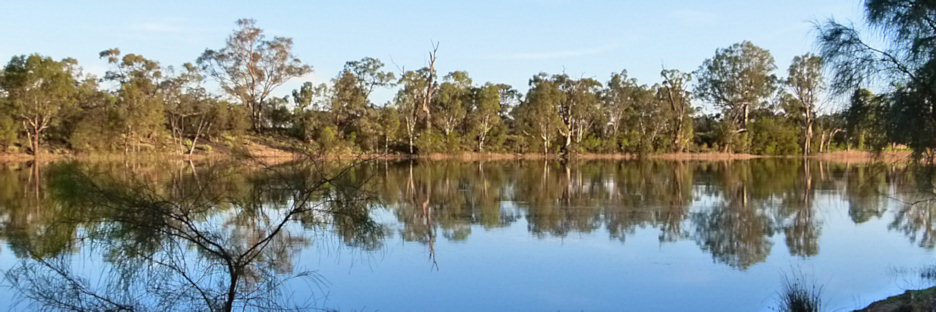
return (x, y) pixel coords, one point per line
(51, 104)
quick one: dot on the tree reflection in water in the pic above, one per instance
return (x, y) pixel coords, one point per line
(207, 240)
(224, 236)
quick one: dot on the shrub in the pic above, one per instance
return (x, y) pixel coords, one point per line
(429, 142)
(8, 130)
(800, 295)
(773, 136)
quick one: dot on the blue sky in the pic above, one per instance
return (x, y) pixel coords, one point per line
(504, 41)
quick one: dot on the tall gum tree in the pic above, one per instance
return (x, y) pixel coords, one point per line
(805, 82)
(485, 112)
(140, 105)
(672, 91)
(250, 67)
(452, 102)
(538, 114)
(738, 79)
(40, 90)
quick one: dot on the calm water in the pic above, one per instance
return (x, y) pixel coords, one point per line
(461, 236)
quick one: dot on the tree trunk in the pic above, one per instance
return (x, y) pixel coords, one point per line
(807, 138)
(677, 138)
(232, 289)
(36, 143)
(198, 133)
(822, 141)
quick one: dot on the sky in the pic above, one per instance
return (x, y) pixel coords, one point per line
(505, 41)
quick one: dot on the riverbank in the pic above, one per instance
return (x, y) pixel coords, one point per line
(267, 153)
(277, 149)
(910, 300)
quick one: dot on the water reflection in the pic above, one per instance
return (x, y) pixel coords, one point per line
(219, 238)
(222, 236)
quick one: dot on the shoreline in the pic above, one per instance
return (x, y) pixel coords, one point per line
(277, 155)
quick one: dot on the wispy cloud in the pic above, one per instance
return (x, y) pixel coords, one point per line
(553, 55)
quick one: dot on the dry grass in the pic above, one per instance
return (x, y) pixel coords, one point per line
(705, 156)
(267, 153)
(22, 157)
(863, 157)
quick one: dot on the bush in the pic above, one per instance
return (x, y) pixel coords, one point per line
(774, 136)
(452, 143)
(93, 134)
(8, 130)
(799, 295)
(592, 144)
(429, 142)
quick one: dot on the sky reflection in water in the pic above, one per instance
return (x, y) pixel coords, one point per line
(534, 235)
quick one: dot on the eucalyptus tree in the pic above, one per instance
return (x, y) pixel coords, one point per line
(578, 108)
(806, 82)
(348, 102)
(648, 119)
(673, 92)
(617, 100)
(389, 123)
(140, 108)
(538, 115)
(93, 126)
(453, 101)
(485, 112)
(430, 86)
(250, 67)
(738, 79)
(407, 102)
(39, 90)
(370, 74)
(307, 101)
(906, 62)
(188, 106)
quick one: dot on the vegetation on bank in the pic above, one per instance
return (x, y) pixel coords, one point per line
(142, 106)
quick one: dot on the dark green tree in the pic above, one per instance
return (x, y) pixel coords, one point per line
(906, 62)
(485, 112)
(39, 91)
(738, 79)
(677, 98)
(538, 115)
(140, 107)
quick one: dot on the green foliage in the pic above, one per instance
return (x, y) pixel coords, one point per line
(906, 62)
(538, 116)
(774, 136)
(806, 83)
(40, 91)
(866, 121)
(157, 108)
(8, 132)
(738, 80)
(140, 109)
(250, 67)
(93, 134)
(430, 142)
